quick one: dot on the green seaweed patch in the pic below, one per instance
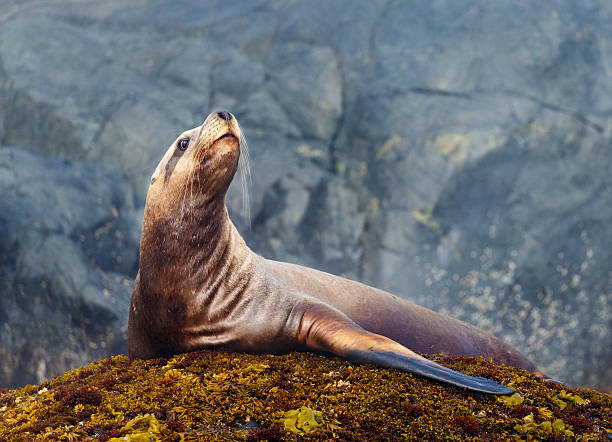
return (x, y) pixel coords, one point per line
(565, 398)
(543, 430)
(305, 420)
(511, 400)
(212, 395)
(145, 428)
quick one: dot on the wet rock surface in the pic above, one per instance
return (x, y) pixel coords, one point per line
(455, 153)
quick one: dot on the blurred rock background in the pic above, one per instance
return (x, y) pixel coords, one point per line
(456, 153)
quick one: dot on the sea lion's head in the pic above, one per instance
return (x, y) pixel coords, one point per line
(185, 215)
(199, 165)
(185, 208)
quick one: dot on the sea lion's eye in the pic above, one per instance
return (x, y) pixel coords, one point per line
(182, 144)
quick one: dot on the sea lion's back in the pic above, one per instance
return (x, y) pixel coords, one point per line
(416, 327)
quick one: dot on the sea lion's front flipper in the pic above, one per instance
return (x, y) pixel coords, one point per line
(322, 328)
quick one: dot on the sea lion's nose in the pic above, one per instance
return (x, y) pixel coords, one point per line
(225, 115)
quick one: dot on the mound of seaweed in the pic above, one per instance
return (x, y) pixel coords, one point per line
(209, 395)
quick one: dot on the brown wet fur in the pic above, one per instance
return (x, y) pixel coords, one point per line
(200, 286)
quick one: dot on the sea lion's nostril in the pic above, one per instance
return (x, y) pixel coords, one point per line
(225, 115)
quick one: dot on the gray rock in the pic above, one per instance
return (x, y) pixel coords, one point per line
(67, 258)
(455, 153)
(313, 78)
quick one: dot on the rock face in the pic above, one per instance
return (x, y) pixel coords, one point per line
(68, 251)
(456, 153)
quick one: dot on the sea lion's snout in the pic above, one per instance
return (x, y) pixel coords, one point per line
(225, 115)
(218, 126)
(229, 127)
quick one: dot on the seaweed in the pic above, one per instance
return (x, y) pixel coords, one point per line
(214, 395)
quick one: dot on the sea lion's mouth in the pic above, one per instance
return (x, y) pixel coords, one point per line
(227, 135)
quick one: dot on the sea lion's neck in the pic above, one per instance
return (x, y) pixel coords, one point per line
(198, 251)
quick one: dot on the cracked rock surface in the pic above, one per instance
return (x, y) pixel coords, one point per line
(70, 236)
(455, 153)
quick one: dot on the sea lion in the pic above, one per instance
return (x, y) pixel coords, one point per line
(200, 286)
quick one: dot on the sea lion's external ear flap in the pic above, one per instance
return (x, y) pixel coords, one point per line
(322, 328)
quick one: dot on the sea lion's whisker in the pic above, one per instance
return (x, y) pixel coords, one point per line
(192, 175)
(245, 175)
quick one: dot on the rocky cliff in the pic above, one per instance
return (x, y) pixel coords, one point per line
(456, 153)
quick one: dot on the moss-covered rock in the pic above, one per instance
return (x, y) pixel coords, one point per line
(208, 395)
